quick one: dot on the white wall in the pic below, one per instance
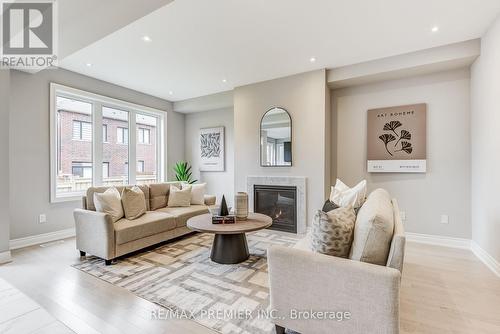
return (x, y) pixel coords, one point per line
(304, 97)
(4, 159)
(485, 127)
(218, 183)
(29, 145)
(445, 188)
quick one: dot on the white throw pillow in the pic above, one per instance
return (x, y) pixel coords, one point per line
(179, 197)
(344, 196)
(197, 192)
(109, 202)
(134, 202)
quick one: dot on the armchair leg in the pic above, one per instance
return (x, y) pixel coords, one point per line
(279, 329)
(82, 253)
(107, 262)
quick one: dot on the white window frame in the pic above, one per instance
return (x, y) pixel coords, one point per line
(98, 102)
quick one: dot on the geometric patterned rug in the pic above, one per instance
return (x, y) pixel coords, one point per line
(181, 277)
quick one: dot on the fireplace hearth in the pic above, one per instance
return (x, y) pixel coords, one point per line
(279, 203)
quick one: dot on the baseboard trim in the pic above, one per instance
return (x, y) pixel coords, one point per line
(41, 238)
(5, 257)
(439, 240)
(486, 258)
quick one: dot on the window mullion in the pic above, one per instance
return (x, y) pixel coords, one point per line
(132, 148)
(98, 144)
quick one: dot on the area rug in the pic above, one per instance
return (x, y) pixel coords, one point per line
(181, 277)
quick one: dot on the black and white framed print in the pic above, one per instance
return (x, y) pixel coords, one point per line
(212, 149)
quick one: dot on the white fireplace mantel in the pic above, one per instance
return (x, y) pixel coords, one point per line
(298, 181)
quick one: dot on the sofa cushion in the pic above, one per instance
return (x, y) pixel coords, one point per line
(332, 232)
(182, 214)
(158, 193)
(178, 197)
(134, 202)
(344, 196)
(373, 229)
(90, 194)
(109, 202)
(150, 223)
(197, 192)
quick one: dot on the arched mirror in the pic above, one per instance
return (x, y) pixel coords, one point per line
(276, 138)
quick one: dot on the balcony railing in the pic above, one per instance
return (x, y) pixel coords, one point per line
(78, 184)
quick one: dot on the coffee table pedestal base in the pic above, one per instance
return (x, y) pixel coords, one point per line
(229, 248)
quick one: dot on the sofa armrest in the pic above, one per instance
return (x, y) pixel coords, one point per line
(210, 200)
(303, 281)
(95, 233)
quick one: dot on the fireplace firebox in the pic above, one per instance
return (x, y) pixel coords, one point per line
(279, 203)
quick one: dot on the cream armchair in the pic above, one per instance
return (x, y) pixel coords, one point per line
(365, 296)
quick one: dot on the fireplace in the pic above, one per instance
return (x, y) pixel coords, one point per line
(279, 203)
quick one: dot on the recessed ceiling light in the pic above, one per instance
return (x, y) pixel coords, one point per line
(146, 38)
(312, 59)
(435, 29)
(224, 80)
(171, 93)
(89, 64)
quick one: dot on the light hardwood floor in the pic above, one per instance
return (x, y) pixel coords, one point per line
(444, 290)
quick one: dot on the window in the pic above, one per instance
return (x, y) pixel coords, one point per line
(121, 135)
(147, 155)
(79, 157)
(144, 136)
(82, 170)
(105, 170)
(140, 166)
(82, 130)
(105, 133)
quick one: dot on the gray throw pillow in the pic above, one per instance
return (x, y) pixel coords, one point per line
(329, 206)
(332, 232)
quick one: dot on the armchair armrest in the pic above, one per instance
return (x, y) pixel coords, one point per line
(210, 200)
(95, 233)
(366, 296)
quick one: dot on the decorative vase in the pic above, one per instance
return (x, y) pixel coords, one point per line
(241, 205)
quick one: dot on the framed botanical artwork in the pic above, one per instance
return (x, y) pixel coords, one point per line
(212, 149)
(397, 139)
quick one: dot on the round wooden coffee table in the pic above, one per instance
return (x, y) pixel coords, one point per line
(230, 243)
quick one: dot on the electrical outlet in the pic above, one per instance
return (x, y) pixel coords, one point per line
(445, 219)
(42, 219)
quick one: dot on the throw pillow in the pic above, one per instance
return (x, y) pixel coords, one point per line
(109, 202)
(374, 229)
(197, 192)
(134, 202)
(332, 232)
(344, 196)
(329, 206)
(158, 195)
(179, 197)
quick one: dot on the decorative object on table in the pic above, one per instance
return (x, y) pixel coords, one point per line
(397, 139)
(241, 205)
(223, 219)
(276, 138)
(212, 149)
(183, 172)
(223, 207)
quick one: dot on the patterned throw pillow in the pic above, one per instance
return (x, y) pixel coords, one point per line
(332, 232)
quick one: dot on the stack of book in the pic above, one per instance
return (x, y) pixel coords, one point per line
(223, 219)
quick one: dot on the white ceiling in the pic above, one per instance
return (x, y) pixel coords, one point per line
(198, 43)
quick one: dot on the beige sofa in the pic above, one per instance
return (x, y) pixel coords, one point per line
(96, 233)
(301, 280)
